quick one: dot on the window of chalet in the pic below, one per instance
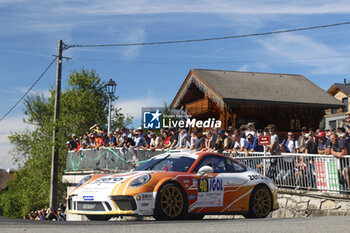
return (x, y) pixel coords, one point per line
(346, 102)
(333, 124)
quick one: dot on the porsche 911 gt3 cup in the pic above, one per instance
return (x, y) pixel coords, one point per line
(177, 185)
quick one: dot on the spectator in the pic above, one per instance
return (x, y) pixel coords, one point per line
(146, 142)
(273, 148)
(166, 139)
(324, 144)
(73, 142)
(92, 142)
(242, 130)
(250, 129)
(346, 122)
(311, 148)
(228, 141)
(339, 150)
(139, 140)
(61, 215)
(186, 142)
(85, 143)
(219, 145)
(200, 140)
(210, 140)
(105, 140)
(96, 128)
(154, 143)
(249, 147)
(99, 140)
(118, 136)
(290, 145)
(112, 141)
(52, 216)
(302, 139)
(180, 138)
(174, 138)
(256, 145)
(193, 141)
(127, 142)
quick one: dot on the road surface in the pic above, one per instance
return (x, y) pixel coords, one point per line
(300, 225)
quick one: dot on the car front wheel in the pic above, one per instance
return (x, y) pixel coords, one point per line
(171, 203)
(260, 204)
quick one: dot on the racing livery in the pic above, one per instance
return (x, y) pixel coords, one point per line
(177, 185)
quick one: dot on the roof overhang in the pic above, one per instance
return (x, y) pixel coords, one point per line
(326, 106)
(192, 77)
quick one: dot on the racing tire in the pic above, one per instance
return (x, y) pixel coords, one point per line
(260, 203)
(98, 217)
(171, 203)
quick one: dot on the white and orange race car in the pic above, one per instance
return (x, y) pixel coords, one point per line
(177, 185)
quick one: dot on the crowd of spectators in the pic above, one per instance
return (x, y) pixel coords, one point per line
(47, 214)
(230, 140)
(335, 142)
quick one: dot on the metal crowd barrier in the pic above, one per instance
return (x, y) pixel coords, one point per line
(299, 171)
(118, 159)
(302, 171)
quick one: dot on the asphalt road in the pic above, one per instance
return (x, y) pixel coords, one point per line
(320, 224)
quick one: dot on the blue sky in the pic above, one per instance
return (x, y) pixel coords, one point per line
(151, 75)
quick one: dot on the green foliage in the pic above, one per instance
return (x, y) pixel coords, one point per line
(83, 104)
(119, 120)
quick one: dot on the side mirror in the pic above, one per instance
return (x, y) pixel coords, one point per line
(205, 170)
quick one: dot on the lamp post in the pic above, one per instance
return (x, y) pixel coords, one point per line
(111, 86)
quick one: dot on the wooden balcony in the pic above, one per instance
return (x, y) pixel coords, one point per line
(200, 107)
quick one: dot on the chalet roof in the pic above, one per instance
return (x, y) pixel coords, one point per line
(343, 87)
(259, 87)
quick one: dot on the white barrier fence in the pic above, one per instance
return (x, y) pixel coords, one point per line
(302, 171)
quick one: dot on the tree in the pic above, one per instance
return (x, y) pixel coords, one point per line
(83, 103)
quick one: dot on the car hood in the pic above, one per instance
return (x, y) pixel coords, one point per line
(106, 183)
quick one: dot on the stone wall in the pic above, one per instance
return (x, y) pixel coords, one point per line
(297, 203)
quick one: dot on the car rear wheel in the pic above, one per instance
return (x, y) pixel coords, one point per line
(171, 203)
(98, 217)
(260, 204)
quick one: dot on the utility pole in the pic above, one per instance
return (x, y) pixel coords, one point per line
(54, 159)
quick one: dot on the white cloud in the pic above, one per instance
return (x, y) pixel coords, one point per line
(8, 125)
(215, 7)
(243, 68)
(66, 15)
(132, 107)
(297, 47)
(44, 92)
(135, 36)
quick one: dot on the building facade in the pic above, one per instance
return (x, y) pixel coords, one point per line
(236, 98)
(334, 117)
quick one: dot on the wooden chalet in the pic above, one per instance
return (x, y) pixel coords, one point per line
(286, 100)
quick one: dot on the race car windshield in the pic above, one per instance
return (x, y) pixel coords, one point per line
(169, 163)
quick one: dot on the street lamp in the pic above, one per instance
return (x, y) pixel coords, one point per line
(111, 86)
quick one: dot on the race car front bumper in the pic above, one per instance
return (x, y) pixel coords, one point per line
(140, 204)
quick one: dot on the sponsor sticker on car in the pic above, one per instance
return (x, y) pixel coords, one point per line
(88, 198)
(210, 193)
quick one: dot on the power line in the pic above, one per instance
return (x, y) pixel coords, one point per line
(47, 68)
(211, 62)
(208, 39)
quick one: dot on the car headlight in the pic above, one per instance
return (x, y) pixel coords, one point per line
(141, 180)
(84, 180)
